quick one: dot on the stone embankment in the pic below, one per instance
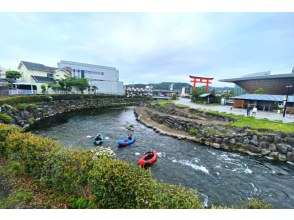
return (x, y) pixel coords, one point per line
(211, 131)
(38, 111)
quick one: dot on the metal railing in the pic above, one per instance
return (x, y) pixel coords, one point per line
(22, 92)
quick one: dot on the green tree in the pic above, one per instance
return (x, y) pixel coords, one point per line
(11, 76)
(95, 89)
(44, 88)
(81, 83)
(258, 91)
(66, 84)
(195, 93)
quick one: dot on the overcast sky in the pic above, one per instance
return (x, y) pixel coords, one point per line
(153, 47)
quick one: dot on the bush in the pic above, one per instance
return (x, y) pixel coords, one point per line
(30, 151)
(5, 130)
(67, 171)
(117, 184)
(5, 118)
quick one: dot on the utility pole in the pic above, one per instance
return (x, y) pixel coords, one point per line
(288, 87)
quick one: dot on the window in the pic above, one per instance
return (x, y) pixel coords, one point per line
(82, 73)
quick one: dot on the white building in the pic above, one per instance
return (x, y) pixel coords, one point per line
(105, 79)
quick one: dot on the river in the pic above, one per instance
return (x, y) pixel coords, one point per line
(220, 177)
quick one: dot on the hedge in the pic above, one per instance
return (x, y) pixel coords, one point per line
(89, 182)
(14, 100)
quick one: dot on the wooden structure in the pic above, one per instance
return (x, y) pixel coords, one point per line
(198, 79)
(238, 104)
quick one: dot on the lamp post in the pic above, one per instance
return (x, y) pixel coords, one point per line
(288, 87)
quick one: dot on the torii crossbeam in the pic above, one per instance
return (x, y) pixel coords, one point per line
(199, 79)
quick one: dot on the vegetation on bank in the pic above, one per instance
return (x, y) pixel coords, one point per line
(254, 123)
(241, 120)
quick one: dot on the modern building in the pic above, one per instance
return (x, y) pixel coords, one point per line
(101, 78)
(274, 84)
(264, 102)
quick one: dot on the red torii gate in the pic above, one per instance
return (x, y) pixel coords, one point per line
(195, 79)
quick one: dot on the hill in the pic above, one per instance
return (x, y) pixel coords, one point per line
(178, 86)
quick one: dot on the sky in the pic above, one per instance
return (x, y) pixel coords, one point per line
(151, 47)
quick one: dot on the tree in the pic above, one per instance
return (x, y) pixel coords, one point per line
(12, 75)
(81, 83)
(66, 83)
(195, 93)
(44, 88)
(258, 91)
(95, 89)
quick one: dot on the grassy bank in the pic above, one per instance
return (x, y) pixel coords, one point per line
(240, 120)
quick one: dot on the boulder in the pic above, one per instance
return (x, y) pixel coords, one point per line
(289, 141)
(252, 149)
(263, 144)
(272, 147)
(277, 139)
(290, 156)
(283, 148)
(254, 140)
(216, 145)
(265, 152)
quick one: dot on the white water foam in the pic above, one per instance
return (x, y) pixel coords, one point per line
(205, 202)
(161, 154)
(194, 166)
(242, 169)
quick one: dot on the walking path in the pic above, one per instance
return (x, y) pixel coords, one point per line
(273, 116)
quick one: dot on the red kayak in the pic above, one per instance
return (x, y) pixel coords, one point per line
(149, 158)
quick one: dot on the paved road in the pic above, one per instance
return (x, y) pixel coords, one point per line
(221, 108)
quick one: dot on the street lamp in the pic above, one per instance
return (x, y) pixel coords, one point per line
(288, 87)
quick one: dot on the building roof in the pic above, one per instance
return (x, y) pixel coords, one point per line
(42, 79)
(205, 95)
(37, 66)
(264, 97)
(259, 76)
(66, 62)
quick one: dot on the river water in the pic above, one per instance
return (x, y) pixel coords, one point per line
(220, 177)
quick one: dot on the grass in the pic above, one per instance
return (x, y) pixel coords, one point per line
(162, 103)
(256, 123)
(181, 106)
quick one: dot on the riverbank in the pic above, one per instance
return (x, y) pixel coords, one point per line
(213, 132)
(26, 111)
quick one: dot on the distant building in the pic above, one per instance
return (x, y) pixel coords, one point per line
(274, 84)
(33, 75)
(185, 93)
(2, 72)
(105, 79)
(264, 101)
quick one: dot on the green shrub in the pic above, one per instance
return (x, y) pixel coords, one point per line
(5, 130)
(257, 204)
(193, 131)
(30, 151)
(117, 184)
(67, 170)
(5, 118)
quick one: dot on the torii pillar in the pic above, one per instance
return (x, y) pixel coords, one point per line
(198, 79)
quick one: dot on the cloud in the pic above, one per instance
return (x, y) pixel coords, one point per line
(152, 46)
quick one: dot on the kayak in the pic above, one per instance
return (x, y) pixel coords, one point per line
(126, 141)
(98, 142)
(148, 159)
